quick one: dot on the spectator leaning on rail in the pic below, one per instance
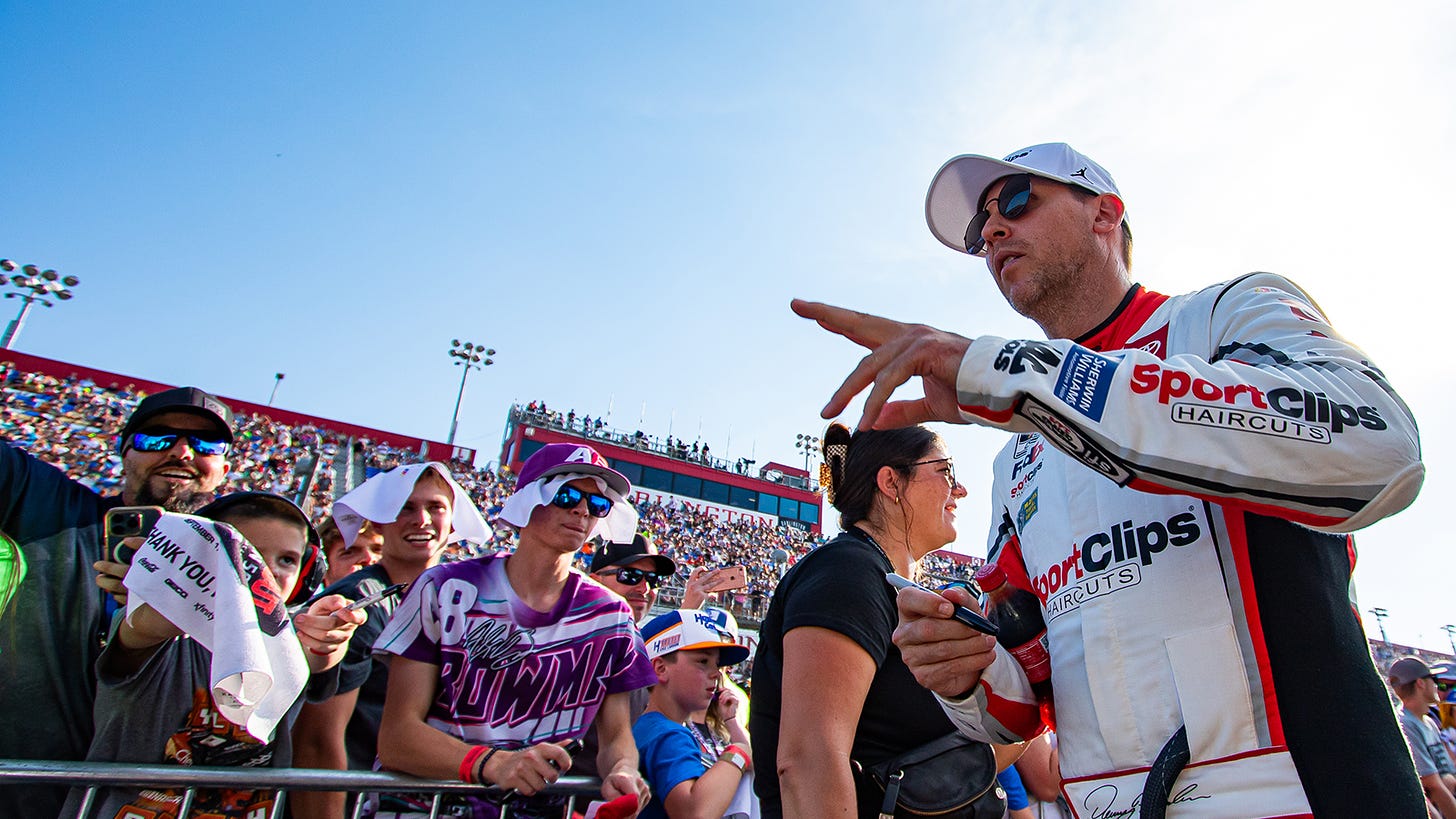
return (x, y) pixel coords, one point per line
(498, 660)
(155, 703)
(52, 618)
(417, 510)
(1181, 469)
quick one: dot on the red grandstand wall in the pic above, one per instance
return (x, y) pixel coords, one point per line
(62, 369)
(510, 459)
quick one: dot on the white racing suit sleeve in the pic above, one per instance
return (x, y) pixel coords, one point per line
(1281, 415)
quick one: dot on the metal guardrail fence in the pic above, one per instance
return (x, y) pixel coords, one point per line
(93, 776)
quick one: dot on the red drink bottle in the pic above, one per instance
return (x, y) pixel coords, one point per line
(1017, 615)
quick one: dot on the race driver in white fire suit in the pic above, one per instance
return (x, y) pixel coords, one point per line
(1182, 470)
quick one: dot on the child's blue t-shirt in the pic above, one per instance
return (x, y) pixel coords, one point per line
(670, 756)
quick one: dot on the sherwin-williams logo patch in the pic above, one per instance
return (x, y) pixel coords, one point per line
(1084, 381)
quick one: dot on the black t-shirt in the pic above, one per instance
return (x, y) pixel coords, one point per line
(359, 670)
(841, 586)
(52, 620)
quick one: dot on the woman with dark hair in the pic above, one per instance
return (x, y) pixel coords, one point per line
(829, 688)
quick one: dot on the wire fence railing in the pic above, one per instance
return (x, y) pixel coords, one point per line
(93, 777)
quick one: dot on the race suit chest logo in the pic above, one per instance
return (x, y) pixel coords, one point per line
(1025, 462)
(1285, 412)
(1109, 561)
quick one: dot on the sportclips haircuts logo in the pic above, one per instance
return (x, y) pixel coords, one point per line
(1108, 561)
(1285, 412)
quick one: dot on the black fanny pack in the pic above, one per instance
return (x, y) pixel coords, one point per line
(952, 776)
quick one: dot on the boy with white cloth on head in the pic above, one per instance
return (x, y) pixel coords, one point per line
(500, 661)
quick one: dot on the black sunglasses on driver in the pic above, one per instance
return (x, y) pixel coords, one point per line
(1013, 203)
(568, 496)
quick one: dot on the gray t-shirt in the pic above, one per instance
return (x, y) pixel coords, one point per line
(164, 714)
(1425, 743)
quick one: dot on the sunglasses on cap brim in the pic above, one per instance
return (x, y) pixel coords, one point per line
(568, 497)
(161, 440)
(1012, 203)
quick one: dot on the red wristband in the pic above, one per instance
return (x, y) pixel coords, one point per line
(736, 756)
(467, 765)
(312, 650)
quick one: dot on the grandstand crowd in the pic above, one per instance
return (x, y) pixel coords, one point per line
(73, 423)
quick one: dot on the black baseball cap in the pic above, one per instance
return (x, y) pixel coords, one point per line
(612, 555)
(225, 502)
(1409, 669)
(180, 399)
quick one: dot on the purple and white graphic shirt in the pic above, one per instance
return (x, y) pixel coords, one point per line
(512, 676)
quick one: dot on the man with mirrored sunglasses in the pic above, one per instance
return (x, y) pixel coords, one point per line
(1178, 493)
(570, 497)
(632, 570)
(53, 617)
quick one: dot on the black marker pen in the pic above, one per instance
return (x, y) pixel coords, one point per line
(961, 613)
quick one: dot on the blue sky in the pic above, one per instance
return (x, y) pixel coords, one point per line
(622, 198)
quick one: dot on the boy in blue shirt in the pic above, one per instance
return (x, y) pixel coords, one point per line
(687, 647)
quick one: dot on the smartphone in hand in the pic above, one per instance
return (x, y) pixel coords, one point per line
(126, 522)
(728, 578)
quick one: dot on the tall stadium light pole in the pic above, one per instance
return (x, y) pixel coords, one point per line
(1450, 635)
(809, 444)
(1380, 615)
(33, 285)
(277, 379)
(470, 356)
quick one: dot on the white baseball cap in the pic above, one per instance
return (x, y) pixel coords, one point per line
(689, 629)
(955, 192)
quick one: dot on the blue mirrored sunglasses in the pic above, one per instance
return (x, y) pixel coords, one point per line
(163, 440)
(567, 497)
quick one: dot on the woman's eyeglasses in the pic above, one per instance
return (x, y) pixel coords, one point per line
(567, 497)
(1013, 203)
(948, 473)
